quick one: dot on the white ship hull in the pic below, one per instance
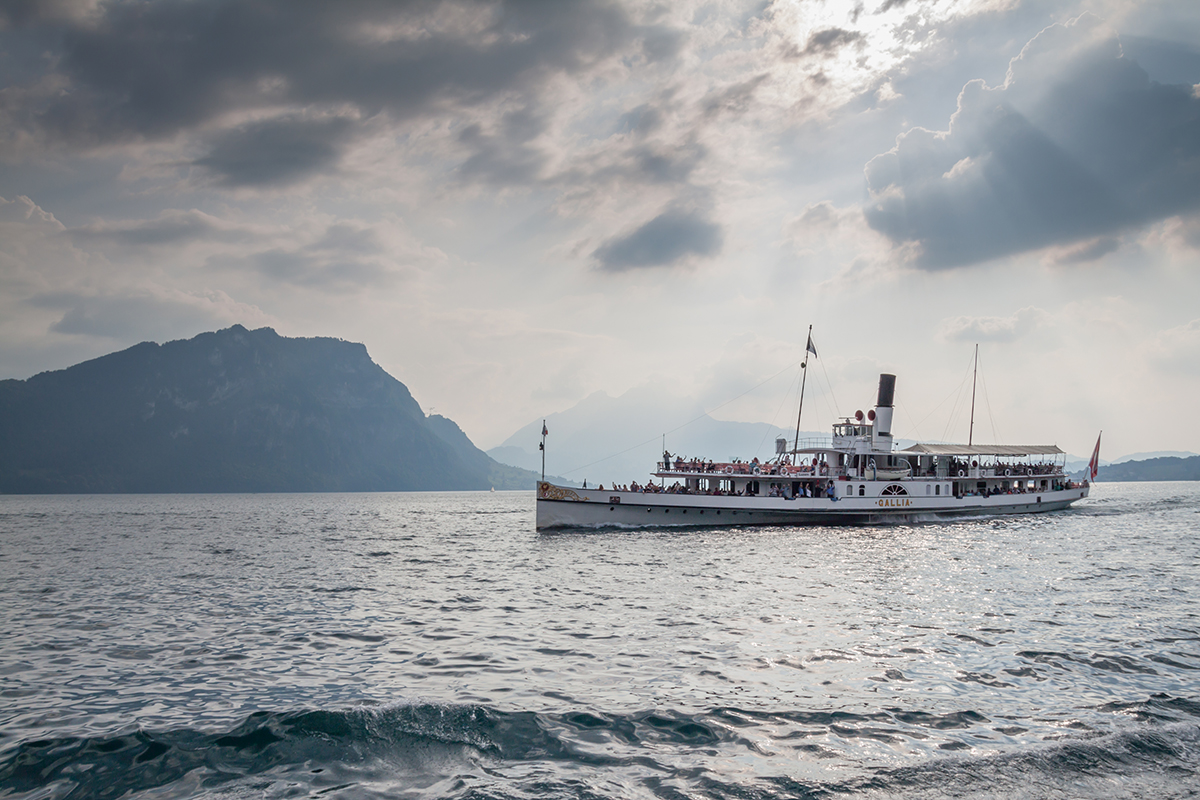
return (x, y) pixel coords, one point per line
(561, 507)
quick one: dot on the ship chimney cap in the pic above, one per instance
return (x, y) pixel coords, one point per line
(887, 390)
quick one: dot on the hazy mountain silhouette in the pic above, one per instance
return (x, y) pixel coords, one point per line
(233, 411)
(1151, 469)
(618, 439)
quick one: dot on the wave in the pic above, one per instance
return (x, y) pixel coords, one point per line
(471, 751)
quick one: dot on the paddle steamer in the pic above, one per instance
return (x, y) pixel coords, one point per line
(856, 477)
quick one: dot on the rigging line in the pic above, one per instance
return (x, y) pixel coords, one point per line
(915, 429)
(836, 404)
(987, 402)
(825, 398)
(967, 408)
(954, 410)
(917, 426)
(684, 425)
(767, 432)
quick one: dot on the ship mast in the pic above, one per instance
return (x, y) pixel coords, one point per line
(808, 348)
(971, 431)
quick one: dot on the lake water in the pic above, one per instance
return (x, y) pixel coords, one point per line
(434, 645)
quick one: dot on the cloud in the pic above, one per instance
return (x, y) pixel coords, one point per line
(1083, 252)
(667, 239)
(277, 152)
(1176, 348)
(149, 71)
(147, 313)
(346, 256)
(1179, 235)
(828, 41)
(171, 228)
(1076, 145)
(994, 329)
(35, 254)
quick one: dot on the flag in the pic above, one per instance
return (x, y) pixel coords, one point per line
(544, 431)
(1094, 465)
(811, 348)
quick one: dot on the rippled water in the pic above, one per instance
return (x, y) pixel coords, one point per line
(433, 645)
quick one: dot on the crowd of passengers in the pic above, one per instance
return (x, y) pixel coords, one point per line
(957, 464)
(736, 466)
(807, 489)
(1018, 488)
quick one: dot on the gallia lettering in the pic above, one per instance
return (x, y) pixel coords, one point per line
(893, 502)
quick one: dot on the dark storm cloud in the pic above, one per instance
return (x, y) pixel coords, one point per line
(667, 239)
(150, 70)
(276, 152)
(1079, 144)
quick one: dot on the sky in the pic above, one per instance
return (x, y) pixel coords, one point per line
(515, 205)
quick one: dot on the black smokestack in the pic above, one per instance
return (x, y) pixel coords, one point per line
(887, 390)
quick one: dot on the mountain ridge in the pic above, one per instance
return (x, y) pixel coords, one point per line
(232, 411)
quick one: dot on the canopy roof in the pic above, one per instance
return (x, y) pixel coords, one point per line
(984, 449)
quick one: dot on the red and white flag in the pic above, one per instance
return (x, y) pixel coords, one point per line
(1094, 465)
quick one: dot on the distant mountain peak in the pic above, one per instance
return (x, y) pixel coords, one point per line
(232, 410)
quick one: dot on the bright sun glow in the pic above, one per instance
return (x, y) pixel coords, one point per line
(841, 49)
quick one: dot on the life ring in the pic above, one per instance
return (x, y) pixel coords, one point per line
(729, 470)
(962, 473)
(1008, 473)
(757, 471)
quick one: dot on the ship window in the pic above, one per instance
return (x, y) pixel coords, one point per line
(937, 489)
(862, 490)
(893, 489)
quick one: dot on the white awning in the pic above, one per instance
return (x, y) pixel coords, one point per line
(1004, 450)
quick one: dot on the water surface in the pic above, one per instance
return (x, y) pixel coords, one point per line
(434, 645)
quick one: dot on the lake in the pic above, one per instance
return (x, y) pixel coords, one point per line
(434, 645)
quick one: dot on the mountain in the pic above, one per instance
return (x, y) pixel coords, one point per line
(1151, 469)
(233, 411)
(617, 439)
(1155, 454)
